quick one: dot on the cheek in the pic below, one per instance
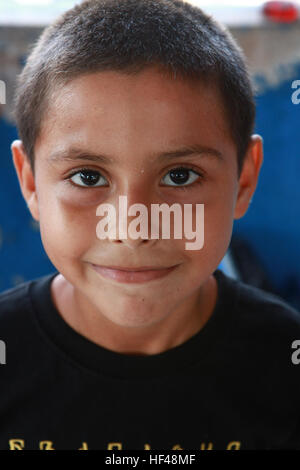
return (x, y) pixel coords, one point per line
(214, 227)
(219, 224)
(217, 230)
(66, 231)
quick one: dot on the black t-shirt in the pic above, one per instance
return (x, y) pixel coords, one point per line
(233, 385)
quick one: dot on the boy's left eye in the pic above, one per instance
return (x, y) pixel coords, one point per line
(180, 176)
(86, 177)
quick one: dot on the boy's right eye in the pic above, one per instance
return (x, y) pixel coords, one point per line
(87, 177)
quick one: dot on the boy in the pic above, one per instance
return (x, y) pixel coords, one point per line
(137, 342)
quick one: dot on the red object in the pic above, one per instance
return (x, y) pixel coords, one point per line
(281, 12)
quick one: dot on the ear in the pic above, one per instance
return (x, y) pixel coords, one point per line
(249, 175)
(25, 177)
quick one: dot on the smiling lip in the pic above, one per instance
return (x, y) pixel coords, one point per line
(135, 269)
(132, 275)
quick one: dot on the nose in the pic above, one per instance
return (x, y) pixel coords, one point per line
(134, 215)
(134, 226)
(133, 244)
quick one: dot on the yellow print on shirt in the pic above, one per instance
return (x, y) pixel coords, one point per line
(19, 444)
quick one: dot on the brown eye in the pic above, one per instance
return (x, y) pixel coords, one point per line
(181, 176)
(87, 178)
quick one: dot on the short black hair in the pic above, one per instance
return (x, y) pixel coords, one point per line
(127, 36)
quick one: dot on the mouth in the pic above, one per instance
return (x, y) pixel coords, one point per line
(133, 274)
(135, 268)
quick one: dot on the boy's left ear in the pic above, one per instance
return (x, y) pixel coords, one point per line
(249, 175)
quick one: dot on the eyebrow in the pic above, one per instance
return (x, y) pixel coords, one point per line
(74, 154)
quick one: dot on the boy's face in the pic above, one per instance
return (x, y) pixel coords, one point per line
(133, 119)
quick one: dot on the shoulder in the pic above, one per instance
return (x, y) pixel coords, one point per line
(259, 310)
(264, 306)
(14, 299)
(20, 332)
(15, 323)
(16, 305)
(262, 352)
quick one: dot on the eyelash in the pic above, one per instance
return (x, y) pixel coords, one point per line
(186, 167)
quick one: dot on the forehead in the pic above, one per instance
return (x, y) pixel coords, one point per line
(123, 114)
